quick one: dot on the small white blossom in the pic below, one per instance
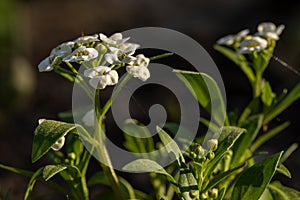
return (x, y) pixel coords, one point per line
(138, 67)
(86, 39)
(89, 118)
(115, 40)
(58, 144)
(101, 77)
(252, 44)
(117, 56)
(47, 64)
(230, 39)
(62, 50)
(82, 54)
(269, 30)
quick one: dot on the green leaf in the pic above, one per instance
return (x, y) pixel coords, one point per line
(206, 90)
(267, 95)
(146, 165)
(170, 144)
(253, 181)
(283, 170)
(252, 126)
(280, 192)
(288, 152)
(50, 170)
(280, 106)
(46, 134)
(238, 59)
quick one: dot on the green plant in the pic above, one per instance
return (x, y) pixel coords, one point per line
(225, 167)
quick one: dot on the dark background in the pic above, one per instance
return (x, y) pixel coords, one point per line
(30, 29)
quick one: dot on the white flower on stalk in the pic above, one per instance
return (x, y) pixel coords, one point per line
(86, 39)
(138, 68)
(101, 76)
(117, 56)
(230, 39)
(269, 30)
(82, 54)
(58, 52)
(252, 44)
(114, 41)
(89, 118)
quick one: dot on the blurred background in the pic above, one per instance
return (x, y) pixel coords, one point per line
(29, 29)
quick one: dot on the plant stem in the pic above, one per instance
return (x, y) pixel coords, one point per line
(257, 86)
(105, 160)
(161, 56)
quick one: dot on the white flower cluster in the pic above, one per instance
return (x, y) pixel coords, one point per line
(118, 52)
(253, 43)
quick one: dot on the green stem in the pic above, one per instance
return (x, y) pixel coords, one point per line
(257, 86)
(266, 136)
(72, 68)
(161, 56)
(105, 160)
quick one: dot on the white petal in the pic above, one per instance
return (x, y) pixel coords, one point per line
(41, 120)
(98, 82)
(227, 40)
(58, 144)
(45, 65)
(280, 29)
(113, 77)
(112, 57)
(139, 72)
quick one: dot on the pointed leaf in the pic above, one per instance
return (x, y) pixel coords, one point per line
(170, 144)
(50, 170)
(31, 183)
(283, 170)
(206, 91)
(254, 180)
(282, 105)
(46, 134)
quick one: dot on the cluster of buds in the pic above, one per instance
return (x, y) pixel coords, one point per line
(200, 154)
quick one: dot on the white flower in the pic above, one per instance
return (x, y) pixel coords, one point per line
(58, 144)
(252, 44)
(82, 54)
(63, 49)
(47, 64)
(89, 117)
(230, 39)
(117, 56)
(114, 40)
(268, 29)
(86, 39)
(213, 144)
(101, 77)
(138, 67)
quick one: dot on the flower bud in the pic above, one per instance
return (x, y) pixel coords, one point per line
(213, 144)
(58, 144)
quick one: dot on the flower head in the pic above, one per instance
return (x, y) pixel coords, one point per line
(81, 54)
(138, 67)
(269, 30)
(101, 76)
(230, 39)
(252, 44)
(86, 39)
(113, 41)
(117, 56)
